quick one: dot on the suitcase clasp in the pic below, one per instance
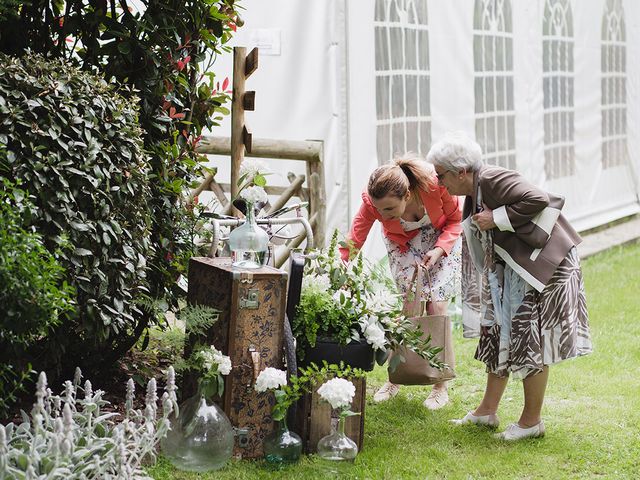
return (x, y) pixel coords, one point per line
(251, 301)
(255, 359)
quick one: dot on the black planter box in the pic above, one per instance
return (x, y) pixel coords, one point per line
(355, 354)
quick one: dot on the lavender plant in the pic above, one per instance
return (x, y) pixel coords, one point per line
(70, 435)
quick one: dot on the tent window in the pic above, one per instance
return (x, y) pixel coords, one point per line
(614, 82)
(557, 82)
(403, 108)
(493, 62)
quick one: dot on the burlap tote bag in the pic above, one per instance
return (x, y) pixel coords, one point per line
(415, 370)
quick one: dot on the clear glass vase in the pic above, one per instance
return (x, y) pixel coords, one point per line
(337, 447)
(249, 244)
(282, 446)
(200, 438)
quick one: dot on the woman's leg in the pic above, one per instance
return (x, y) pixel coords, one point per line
(492, 395)
(534, 389)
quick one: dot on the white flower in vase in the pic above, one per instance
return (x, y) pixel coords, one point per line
(339, 392)
(270, 379)
(251, 167)
(254, 195)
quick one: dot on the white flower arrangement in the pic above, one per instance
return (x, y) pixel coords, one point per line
(254, 194)
(273, 379)
(251, 167)
(373, 332)
(351, 301)
(270, 379)
(211, 365)
(338, 392)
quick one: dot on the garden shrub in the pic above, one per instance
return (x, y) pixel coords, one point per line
(164, 51)
(75, 145)
(33, 294)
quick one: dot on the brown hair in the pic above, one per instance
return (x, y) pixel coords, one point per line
(406, 173)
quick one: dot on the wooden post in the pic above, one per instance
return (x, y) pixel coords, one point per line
(237, 118)
(317, 198)
(243, 66)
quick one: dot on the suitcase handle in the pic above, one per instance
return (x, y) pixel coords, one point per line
(255, 359)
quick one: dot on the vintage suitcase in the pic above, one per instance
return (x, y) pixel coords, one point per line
(251, 331)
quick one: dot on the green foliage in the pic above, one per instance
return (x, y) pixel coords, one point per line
(315, 313)
(307, 379)
(164, 51)
(74, 143)
(33, 294)
(350, 301)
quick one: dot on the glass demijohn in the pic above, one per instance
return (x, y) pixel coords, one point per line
(337, 446)
(201, 437)
(249, 243)
(282, 446)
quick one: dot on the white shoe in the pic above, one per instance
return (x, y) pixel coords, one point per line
(488, 420)
(516, 432)
(438, 398)
(387, 391)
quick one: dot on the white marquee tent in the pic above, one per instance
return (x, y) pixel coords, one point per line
(549, 87)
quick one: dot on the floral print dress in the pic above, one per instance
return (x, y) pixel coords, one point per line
(443, 275)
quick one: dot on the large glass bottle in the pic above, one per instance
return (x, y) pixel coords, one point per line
(249, 244)
(282, 446)
(200, 438)
(337, 446)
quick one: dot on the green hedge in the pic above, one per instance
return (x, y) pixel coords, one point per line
(76, 146)
(33, 294)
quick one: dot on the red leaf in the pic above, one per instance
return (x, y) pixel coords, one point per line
(232, 26)
(173, 114)
(225, 84)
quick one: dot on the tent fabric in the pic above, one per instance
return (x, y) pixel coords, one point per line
(548, 87)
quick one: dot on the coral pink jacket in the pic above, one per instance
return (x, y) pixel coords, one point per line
(442, 208)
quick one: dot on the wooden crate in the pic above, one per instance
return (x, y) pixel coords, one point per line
(314, 417)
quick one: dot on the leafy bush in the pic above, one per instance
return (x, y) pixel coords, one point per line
(32, 293)
(74, 143)
(71, 436)
(165, 51)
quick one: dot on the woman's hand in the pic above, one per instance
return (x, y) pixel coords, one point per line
(484, 219)
(432, 256)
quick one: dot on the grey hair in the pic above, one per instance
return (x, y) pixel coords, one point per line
(456, 151)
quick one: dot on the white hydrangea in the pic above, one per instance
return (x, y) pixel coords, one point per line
(213, 358)
(320, 283)
(254, 194)
(339, 392)
(374, 334)
(270, 378)
(253, 167)
(224, 363)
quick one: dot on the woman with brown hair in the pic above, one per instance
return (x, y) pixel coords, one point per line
(421, 224)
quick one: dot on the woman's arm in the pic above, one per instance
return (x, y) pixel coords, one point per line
(451, 229)
(360, 228)
(515, 201)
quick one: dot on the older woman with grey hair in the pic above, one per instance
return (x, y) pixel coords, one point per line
(534, 311)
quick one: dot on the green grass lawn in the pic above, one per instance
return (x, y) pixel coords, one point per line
(592, 409)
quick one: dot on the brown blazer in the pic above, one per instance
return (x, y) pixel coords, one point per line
(532, 236)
